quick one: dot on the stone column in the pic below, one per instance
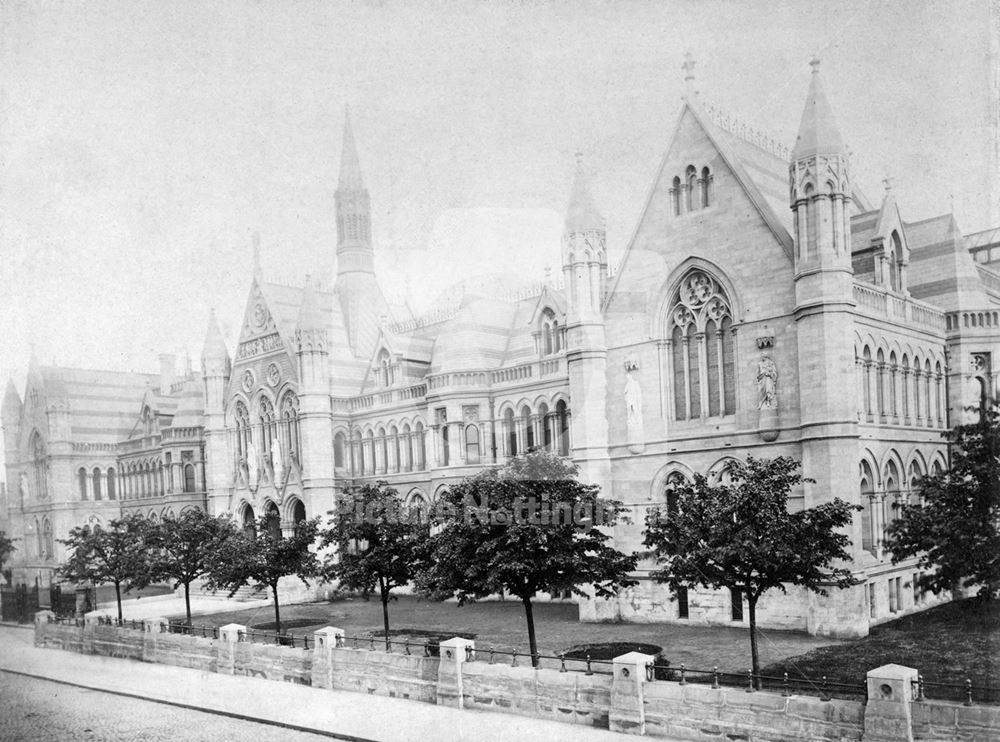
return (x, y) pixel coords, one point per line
(627, 713)
(888, 713)
(325, 640)
(229, 637)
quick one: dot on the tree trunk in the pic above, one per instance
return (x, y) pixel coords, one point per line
(754, 656)
(187, 601)
(277, 612)
(384, 594)
(118, 597)
(532, 646)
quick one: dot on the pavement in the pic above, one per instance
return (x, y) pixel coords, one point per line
(337, 714)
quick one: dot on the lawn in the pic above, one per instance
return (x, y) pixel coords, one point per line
(502, 625)
(947, 644)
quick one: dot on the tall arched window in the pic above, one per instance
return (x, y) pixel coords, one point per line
(690, 186)
(112, 485)
(248, 520)
(383, 452)
(880, 383)
(359, 455)
(383, 368)
(706, 187)
(273, 520)
(701, 349)
(370, 452)
(905, 388)
(866, 359)
(527, 425)
(97, 483)
(189, 483)
(243, 434)
(675, 196)
(928, 401)
(395, 462)
(545, 419)
(914, 476)
(867, 488)
(268, 426)
(407, 448)
(890, 502)
(548, 330)
(47, 541)
(419, 462)
(896, 259)
(81, 479)
(939, 393)
(674, 480)
(562, 427)
(39, 467)
(290, 419)
(472, 443)
(510, 431)
(339, 443)
(893, 387)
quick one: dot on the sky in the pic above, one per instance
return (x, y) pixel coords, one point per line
(142, 144)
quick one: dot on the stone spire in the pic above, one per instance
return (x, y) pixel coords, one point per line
(581, 214)
(350, 164)
(11, 400)
(214, 348)
(818, 132)
(310, 314)
(688, 67)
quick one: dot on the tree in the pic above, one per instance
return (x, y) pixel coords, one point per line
(526, 528)
(379, 545)
(187, 547)
(6, 548)
(955, 531)
(119, 554)
(261, 556)
(740, 535)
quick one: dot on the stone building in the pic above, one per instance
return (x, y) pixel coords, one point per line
(763, 306)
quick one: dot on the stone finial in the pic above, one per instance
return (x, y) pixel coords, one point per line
(887, 183)
(814, 63)
(688, 68)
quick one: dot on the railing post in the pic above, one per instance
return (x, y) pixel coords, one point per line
(628, 713)
(888, 713)
(453, 656)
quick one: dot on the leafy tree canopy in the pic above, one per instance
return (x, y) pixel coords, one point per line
(6, 548)
(955, 531)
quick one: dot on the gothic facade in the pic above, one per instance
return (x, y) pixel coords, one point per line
(763, 306)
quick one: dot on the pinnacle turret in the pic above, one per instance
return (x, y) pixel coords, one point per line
(214, 348)
(11, 400)
(581, 214)
(818, 132)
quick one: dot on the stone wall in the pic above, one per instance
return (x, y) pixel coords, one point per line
(624, 700)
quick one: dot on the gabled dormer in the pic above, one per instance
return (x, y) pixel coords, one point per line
(880, 251)
(548, 322)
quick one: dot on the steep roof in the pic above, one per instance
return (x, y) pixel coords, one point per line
(101, 404)
(941, 269)
(581, 213)
(350, 165)
(215, 345)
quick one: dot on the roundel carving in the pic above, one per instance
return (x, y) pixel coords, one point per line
(273, 374)
(259, 315)
(248, 380)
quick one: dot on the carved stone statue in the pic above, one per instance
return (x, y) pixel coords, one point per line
(767, 379)
(22, 483)
(253, 463)
(633, 400)
(277, 462)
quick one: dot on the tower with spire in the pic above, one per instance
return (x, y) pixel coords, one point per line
(820, 198)
(216, 370)
(585, 271)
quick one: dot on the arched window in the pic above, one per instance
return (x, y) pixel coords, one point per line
(914, 476)
(706, 187)
(383, 369)
(893, 387)
(97, 484)
(189, 485)
(880, 383)
(866, 357)
(339, 443)
(81, 478)
(418, 447)
(896, 258)
(243, 434)
(290, 419)
(359, 455)
(298, 513)
(39, 540)
(562, 427)
(675, 196)
(47, 541)
(545, 419)
(556, 339)
(905, 389)
(40, 467)
(548, 330)
(811, 225)
(472, 443)
(701, 349)
(867, 488)
(407, 448)
(112, 485)
(370, 452)
(527, 425)
(395, 462)
(268, 426)
(928, 401)
(939, 393)
(510, 432)
(445, 443)
(891, 501)
(690, 184)
(383, 452)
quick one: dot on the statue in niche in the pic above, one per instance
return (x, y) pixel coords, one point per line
(633, 408)
(767, 379)
(278, 462)
(253, 463)
(22, 483)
